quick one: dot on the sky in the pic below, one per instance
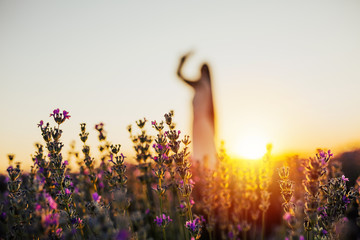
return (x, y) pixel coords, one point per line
(285, 72)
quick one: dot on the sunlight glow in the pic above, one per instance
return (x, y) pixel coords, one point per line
(251, 147)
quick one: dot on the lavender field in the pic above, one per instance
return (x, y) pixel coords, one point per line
(164, 194)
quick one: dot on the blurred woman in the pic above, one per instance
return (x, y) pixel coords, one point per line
(203, 115)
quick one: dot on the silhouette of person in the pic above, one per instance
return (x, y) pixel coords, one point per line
(203, 115)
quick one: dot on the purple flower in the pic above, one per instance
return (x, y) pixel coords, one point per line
(55, 112)
(99, 175)
(51, 219)
(324, 232)
(67, 191)
(287, 216)
(112, 158)
(59, 231)
(66, 115)
(330, 154)
(162, 221)
(66, 163)
(239, 227)
(322, 211)
(190, 225)
(158, 221)
(40, 124)
(182, 206)
(167, 218)
(96, 197)
(122, 235)
(301, 237)
(52, 203)
(42, 180)
(164, 157)
(194, 226)
(38, 207)
(157, 147)
(344, 178)
(60, 117)
(346, 200)
(323, 162)
(147, 211)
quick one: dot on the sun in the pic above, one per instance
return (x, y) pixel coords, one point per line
(251, 146)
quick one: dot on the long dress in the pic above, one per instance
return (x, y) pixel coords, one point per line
(203, 120)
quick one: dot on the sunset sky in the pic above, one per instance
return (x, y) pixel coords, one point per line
(285, 72)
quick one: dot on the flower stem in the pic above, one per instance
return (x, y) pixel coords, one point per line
(164, 234)
(189, 208)
(160, 199)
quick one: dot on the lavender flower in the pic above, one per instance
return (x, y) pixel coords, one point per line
(194, 227)
(38, 207)
(287, 216)
(96, 197)
(122, 235)
(59, 232)
(344, 178)
(163, 220)
(336, 198)
(51, 219)
(60, 117)
(51, 202)
(345, 200)
(40, 124)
